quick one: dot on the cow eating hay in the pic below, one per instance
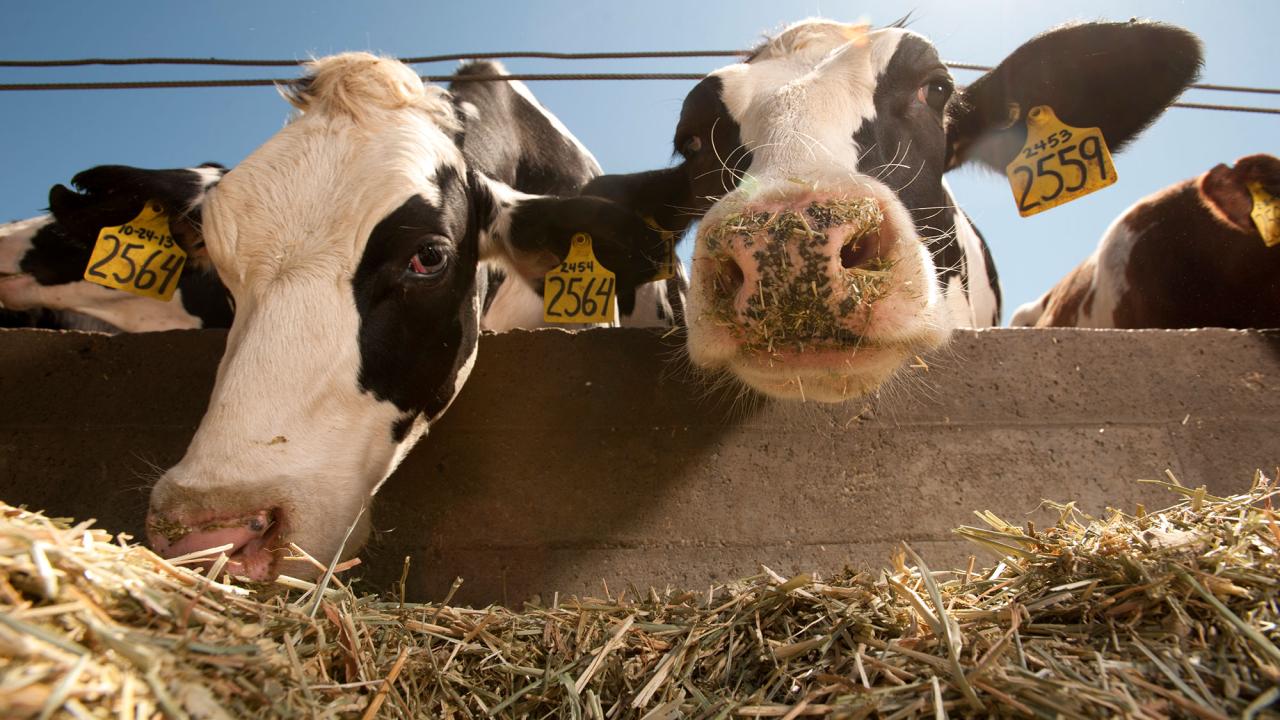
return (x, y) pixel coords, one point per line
(1153, 614)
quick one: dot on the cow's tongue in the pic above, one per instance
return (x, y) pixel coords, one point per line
(240, 533)
(237, 537)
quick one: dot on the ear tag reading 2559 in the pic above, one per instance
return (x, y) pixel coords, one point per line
(580, 289)
(1265, 214)
(139, 257)
(1058, 163)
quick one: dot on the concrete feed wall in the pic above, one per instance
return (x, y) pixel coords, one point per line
(572, 459)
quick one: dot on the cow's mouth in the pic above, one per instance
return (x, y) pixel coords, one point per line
(826, 371)
(253, 543)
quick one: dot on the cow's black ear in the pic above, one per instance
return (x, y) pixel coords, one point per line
(530, 234)
(1115, 76)
(664, 195)
(114, 194)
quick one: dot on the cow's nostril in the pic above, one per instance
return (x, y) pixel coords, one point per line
(860, 250)
(728, 277)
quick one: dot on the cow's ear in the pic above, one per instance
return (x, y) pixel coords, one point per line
(110, 195)
(1225, 190)
(1227, 197)
(1117, 77)
(530, 235)
(664, 195)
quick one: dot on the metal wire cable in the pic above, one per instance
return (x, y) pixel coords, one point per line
(1227, 108)
(154, 84)
(531, 77)
(420, 60)
(424, 59)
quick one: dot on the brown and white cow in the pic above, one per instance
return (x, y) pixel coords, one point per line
(831, 250)
(357, 243)
(1187, 256)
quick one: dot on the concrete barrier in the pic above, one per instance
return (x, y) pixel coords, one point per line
(575, 459)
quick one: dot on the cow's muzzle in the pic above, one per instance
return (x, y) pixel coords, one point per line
(252, 542)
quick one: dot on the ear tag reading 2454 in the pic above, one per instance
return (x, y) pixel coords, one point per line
(1058, 163)
(580, 290)
(139, 257)
(1265, 214)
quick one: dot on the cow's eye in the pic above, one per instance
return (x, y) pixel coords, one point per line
(691, 146)
(429, 262)
(935, 93)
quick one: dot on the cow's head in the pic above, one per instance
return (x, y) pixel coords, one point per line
(42, 264)
(1226, 191)
(831, 250)
(354, 243)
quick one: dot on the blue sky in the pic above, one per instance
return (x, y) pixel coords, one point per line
(46, 137)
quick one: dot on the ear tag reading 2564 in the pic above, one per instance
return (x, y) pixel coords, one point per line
(1058, 163)
(139, 257)
(1265, 214)
(580, 289)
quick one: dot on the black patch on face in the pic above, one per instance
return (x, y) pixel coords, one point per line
(904, 147)
(708, 140)
(415, 332)
(56, 257)
(400, 428)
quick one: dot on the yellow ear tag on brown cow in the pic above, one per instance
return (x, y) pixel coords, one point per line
(1058, 163)
(139, 257)
(1265, 214)
(667, 269)
(580, 289)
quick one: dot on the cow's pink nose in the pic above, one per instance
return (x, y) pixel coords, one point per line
(797, 271)
(247, 540)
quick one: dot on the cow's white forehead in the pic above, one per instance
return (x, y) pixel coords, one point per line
(306, 201)
(799, 50)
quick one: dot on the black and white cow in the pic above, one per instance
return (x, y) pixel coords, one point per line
(42, 274)
(42, 262)
(831, 249)
(357, 243)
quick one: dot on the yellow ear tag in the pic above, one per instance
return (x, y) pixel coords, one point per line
(139, 257)
(1058, 163)
(1265, 214)
(580, 289)
(667, 270)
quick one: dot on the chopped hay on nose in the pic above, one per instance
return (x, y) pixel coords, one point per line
(800, 306)
(1170, 613)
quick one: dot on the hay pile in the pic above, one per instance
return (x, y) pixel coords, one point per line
(1165, 614)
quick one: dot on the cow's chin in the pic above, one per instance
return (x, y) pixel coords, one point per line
(829, 376)
(825, 373)
(829, 371)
